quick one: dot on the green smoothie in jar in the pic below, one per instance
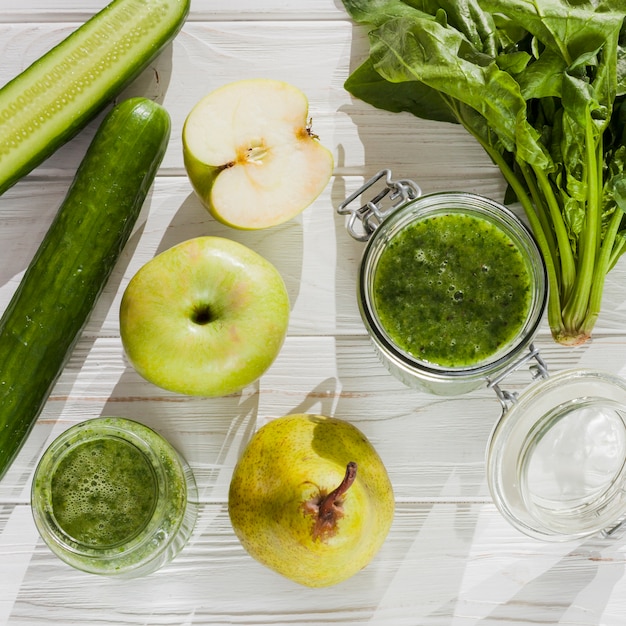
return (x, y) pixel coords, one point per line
(452, 289)
(110, 496)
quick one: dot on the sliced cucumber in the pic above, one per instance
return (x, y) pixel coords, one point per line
(71, 266)
(50, 101)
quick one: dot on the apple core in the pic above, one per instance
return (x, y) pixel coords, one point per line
(202, 315)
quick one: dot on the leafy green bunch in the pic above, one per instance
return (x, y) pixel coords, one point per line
(541, 85)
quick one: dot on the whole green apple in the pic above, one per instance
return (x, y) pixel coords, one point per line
(206, 317)
(311, 499)
(251, 155)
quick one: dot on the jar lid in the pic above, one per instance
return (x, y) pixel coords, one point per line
(556, 459)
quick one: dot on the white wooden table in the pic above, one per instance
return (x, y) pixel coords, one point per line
(450, 558)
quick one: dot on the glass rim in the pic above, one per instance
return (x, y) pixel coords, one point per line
(516, 437)
(132, 433)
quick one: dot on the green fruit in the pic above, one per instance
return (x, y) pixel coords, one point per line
(311, 499)
(206, 317)
(251, 156)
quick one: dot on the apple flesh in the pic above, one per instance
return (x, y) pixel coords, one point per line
(206, 317)
(311, 499)
(251, 156)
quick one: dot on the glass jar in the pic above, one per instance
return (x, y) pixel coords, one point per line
(556, 458)
(383, 230)
(110, 496)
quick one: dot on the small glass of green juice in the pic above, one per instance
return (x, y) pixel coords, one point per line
(110, 496)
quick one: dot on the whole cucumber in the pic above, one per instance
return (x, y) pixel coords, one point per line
(56, 96)
(71, 266)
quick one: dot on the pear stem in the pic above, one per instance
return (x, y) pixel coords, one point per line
(329, 509)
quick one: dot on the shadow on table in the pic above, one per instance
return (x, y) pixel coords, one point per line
(576, 590)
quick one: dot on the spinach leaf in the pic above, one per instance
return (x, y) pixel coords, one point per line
(413, 97)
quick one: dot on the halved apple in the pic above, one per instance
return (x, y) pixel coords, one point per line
(251, 155)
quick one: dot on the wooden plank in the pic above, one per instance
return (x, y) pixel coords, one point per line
(443, 563)
(249, 10)
(425, 441)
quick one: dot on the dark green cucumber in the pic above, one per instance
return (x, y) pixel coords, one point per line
(69, 270)
(54, 98)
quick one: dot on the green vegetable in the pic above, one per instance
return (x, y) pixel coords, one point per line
(541, 85)
(62, 283)
(58, 94)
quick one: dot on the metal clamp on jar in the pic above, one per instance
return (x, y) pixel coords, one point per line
(556, 458)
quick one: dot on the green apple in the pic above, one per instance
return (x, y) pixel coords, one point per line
(251, 155)
(311, 499)
(206, 317)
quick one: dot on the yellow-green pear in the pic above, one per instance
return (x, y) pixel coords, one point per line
(311, 499)
(251, 155)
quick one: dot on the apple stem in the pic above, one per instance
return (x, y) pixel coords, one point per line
(329, 509)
